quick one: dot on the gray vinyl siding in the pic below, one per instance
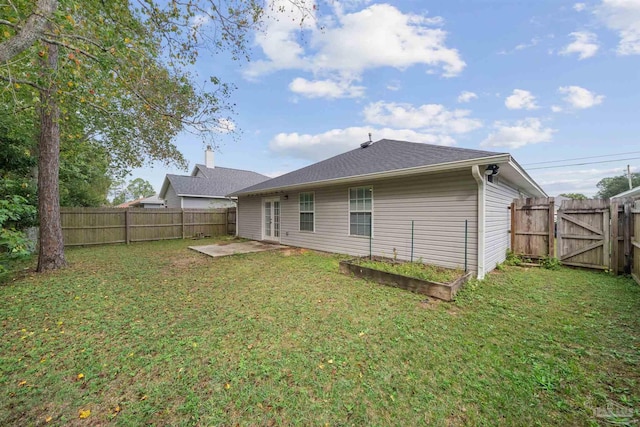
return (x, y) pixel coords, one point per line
(249, 218)
(438, 203)
(171, 199)
(206, 203)
(498, 197)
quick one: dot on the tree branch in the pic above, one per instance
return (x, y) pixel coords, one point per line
(30, 32)
(21, 82)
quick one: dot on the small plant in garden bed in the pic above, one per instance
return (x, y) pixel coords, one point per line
(416, 269)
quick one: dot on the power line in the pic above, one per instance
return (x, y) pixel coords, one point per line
(582, 164)
(580, 158)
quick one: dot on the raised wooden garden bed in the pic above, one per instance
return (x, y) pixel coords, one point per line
(442, 290)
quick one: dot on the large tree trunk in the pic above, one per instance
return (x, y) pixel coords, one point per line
(51, 255)
(32, 29)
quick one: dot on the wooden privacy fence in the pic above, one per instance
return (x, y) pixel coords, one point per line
(532, 227)
(595, 234)
(97, 226)
(635, 242)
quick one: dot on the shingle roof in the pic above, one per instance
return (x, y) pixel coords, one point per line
(382, 156)
(219, 181)
(152, 200)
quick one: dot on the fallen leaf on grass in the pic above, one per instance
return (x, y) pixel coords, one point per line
(21, 383)
(48, 419)
(84, 413)
(80, 376)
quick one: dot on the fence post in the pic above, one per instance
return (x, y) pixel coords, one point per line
(627, 236)
(552, 236)
(127, 225)
(513, 227)
(614, 238)
(182, 221)
(226, 220)
(606, 244)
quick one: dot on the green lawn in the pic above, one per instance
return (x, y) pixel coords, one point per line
(157, 334)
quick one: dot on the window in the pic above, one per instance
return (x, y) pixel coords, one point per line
(360, 202)
(306, 212)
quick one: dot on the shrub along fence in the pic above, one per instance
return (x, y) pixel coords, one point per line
(598, 234)
(98, 226)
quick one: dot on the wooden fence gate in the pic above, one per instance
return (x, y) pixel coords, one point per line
(583, 235)
(589, 233)
(532, 227)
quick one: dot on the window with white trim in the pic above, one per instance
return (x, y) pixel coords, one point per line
(360, 203)
(307, 212)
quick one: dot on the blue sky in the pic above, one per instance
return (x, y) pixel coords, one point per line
(543, 80)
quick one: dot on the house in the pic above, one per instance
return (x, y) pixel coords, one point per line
(153, 202)
(633, 194)
(366, 199)
(207, 186)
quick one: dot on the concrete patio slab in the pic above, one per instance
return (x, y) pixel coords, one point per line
(226, 249)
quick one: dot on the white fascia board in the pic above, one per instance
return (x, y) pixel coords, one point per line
(165, 187)
(200, 196)
(526, 177)
(461, 164)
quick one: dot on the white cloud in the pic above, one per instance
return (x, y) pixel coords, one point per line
(623, 16)
(556, 108)
(466, 96)
(579, 97)
(521, 133)
(350, 43)
(428, 117)
(521, 100)
(579, 7)
(325, 88)
(226, 125)
(323, 145)
(585, 44)
(522, 46)
(394, 85)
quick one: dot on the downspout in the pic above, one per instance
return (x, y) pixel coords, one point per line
(479, 177)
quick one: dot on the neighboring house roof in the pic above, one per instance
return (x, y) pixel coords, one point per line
(152, 200)
(557, 202)
(392, 158)
(216, 183)
(129, 203)
(634, 192)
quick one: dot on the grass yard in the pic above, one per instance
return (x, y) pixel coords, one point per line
(156, 334)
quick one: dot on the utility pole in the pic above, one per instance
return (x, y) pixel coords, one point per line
(629, 176)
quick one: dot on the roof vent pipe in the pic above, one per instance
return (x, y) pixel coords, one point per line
(367, 143)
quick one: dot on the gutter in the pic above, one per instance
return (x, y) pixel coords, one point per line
(460, 164)
(200, 196)
(479, 177)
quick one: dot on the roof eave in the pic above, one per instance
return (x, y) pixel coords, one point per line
(526, 177)
(461, 164)
(200, 196)
(165, 187)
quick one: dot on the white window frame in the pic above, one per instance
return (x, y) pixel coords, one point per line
(370, 187)
(300, 211)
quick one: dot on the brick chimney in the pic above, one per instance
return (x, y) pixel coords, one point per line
(208, 158)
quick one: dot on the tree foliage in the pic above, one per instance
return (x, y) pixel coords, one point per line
(114, 73)
(136, 189)
(610, 186)
(574, 196)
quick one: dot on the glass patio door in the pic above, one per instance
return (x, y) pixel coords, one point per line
(271, 219)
